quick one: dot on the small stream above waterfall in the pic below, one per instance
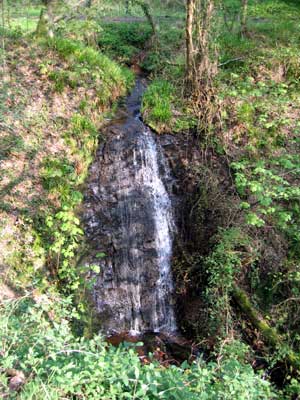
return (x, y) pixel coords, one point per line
(130, 226)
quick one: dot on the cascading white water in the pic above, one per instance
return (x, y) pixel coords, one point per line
(148, 176)
(129, 218)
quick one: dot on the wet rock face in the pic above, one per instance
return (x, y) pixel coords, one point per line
(129, 217)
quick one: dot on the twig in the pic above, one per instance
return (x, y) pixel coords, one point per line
(287, 301)
(232, 60)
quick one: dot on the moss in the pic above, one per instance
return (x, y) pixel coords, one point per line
(270, 334)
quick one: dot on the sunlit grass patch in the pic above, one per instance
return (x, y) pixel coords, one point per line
(88, 64)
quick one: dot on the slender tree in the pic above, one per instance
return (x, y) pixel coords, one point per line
(3, 36)
(190, 68)
(46, 21)
(244, 17)
(145, 6)
(200, 65)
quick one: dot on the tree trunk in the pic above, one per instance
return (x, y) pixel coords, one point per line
(45, 24)
(270, 334)
(146, 9)
(190, 8)
(244, 17)
(200, 66)
(3, 37)
(203, 26)
(127, 6)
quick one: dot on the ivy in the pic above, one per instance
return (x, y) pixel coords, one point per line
(223, 266)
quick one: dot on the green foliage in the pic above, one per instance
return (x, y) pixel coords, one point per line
(223, 266)
(124, 40)
(15, 33)
(84, 30)
(89, 65)
(165, 57)
(63, 79)
(82, 139)
(23, 254)
(61, 232)
(157, 103)
(259, 86)
(292, 390)
(274, 195)
(10, 143)
(58, 176)
(37, 340)
(20, 19)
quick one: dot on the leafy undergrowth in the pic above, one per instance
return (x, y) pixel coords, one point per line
(54, 98)
(261, 138)
(124, 41)
(41, 358)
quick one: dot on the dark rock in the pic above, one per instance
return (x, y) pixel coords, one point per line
(129, 217)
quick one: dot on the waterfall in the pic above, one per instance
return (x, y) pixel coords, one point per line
(130, 219)
(148, 177)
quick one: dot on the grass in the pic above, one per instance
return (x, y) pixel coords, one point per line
(89, 65)
(157, 102)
